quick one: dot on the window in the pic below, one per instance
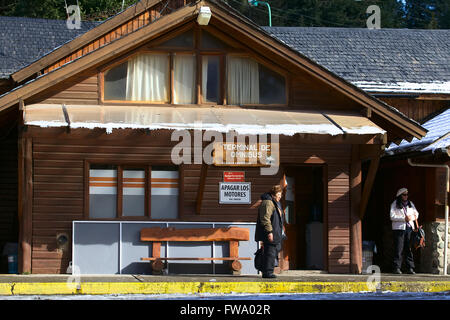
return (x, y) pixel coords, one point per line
(184, 40)
(184, 79)
(147, 78)
(209, 42)
(211, 79)
(164, 192)
(252, 83)
(133, 202)
(144, 77)
(192, 68)
(103, 192)
(133, 191)
(243, 81)
(116, 82)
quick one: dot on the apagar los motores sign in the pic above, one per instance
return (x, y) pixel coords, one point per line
(235, 192)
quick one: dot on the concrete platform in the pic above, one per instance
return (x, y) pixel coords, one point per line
(287, 282)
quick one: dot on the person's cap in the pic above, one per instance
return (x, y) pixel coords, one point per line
(401, 191)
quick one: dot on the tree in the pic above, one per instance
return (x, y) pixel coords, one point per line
(418, 13)
(311, 13)
(322, 13)
(56, 9)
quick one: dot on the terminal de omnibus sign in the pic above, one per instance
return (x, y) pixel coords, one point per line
(246, 154)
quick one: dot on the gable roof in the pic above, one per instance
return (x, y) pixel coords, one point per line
(377, 60)
(224, 18)
(25, 40)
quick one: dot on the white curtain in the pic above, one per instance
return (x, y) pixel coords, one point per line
(147, 78)
(243, 81)
(205, 62)
(184, 79)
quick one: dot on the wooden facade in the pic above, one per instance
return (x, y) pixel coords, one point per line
(53, 163)
(59, 188)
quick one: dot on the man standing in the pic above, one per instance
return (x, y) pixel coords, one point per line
(269, 229)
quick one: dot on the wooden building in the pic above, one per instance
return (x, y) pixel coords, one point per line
(97, 134)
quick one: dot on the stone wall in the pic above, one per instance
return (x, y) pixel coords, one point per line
(432, 259)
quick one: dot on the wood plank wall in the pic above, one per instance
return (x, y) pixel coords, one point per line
(82, 89)
(307, 92)
(58, 187)
(416, 109)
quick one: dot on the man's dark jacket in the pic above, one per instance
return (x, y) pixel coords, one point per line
(269, 220)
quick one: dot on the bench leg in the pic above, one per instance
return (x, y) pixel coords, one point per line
(157, 267)
(236, 267)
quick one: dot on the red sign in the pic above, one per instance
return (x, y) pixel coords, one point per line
(234, 176)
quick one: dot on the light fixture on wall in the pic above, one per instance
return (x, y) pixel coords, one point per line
(203, 16)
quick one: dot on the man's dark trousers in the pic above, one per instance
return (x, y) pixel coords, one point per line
(270, 254)
(402, 246)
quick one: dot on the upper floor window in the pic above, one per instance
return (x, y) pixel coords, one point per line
(214, 73)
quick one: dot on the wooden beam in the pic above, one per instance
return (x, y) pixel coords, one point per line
(25, 205)
(355, 221)
(368, 184)
(201, 189)
(197, 234)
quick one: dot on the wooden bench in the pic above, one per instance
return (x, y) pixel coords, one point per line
(157, 235)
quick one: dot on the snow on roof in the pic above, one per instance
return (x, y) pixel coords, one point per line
(437, 137)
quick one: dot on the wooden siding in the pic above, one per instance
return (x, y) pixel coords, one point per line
(82, 89)
(417, 109)
(59, 186)
(307, 92)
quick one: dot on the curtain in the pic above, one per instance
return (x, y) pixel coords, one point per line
(205, 62)
(184, 79)
(147, 78)
(243, 81)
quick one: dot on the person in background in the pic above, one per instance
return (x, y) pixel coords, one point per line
(403, 213)
(269, 228)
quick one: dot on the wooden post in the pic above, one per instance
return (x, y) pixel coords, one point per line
(201, 189)
(355, 221)
(25, 206)
(374, 162)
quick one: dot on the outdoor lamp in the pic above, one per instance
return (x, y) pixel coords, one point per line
(203, 16)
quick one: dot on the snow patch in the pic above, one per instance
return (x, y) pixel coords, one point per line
(442, 87)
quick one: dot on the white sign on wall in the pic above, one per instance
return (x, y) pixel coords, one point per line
(235, 192)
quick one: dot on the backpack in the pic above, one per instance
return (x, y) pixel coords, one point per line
(258, 262)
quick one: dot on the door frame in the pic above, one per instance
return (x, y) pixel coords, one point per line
(324, 167)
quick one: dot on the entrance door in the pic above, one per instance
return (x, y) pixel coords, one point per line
(304, 203)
